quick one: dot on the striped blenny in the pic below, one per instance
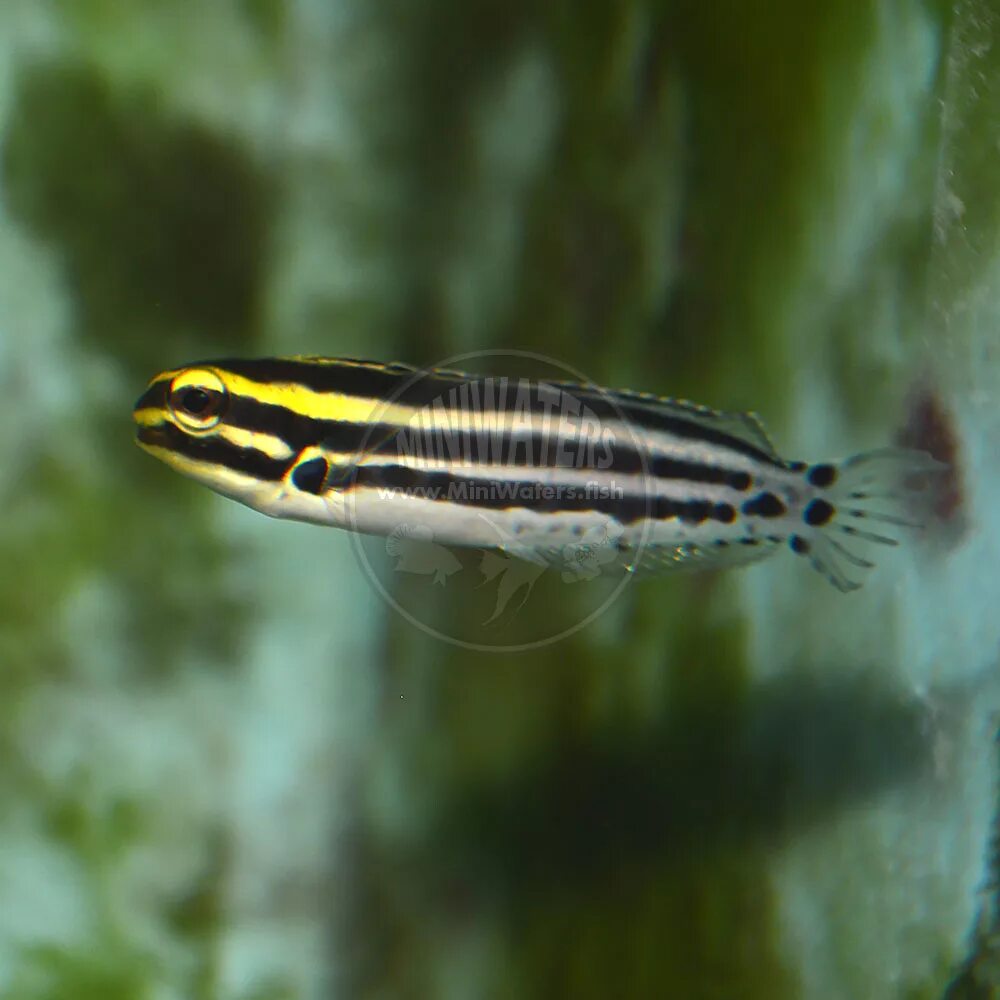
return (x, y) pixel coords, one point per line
(531, 468)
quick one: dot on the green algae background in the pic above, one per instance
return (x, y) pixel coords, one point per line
(227, 768)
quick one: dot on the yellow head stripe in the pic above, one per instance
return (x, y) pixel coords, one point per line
(149, 416)
(310, 403)
(270, 444)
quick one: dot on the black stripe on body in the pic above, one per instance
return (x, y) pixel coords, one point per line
(765, 505)
(609, 405)
(216, 451)
(397, 384)
(504, 494)
(300, 432)
(476, 447)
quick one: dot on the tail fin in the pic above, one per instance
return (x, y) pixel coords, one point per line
(869, 497)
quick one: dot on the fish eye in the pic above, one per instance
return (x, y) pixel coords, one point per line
(197, 400)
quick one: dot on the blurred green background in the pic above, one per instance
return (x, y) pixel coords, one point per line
(228, 769)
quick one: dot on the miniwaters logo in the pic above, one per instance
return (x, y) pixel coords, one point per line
(488, 496)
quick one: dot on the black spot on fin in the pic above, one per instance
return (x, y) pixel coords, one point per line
(882, 487)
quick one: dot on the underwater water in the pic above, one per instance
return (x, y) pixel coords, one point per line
(250, 759)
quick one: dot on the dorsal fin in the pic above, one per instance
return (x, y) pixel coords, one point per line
(398, 367)
(746, 427)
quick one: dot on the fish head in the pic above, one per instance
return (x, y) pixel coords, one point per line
(190, 419)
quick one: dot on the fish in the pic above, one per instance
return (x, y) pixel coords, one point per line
(560, 474)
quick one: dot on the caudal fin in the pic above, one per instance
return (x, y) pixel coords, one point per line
(867, 500)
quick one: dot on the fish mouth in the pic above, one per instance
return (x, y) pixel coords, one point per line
(157, 436)
(152, 430)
